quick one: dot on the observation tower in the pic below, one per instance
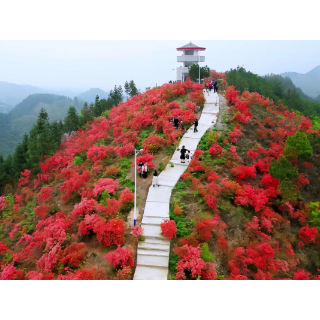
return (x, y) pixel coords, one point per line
(190, 56)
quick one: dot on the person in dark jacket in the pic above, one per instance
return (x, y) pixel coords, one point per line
(176, 122)
(195, 125)
(183, 154)
(216, 86)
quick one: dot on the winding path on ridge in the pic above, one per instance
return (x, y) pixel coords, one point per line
(153, 253)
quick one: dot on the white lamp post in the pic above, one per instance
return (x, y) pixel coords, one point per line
(199, 69)
(136, 152)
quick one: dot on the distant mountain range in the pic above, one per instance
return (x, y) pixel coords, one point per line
(23, 116)
(11, 94)
(309, 82)
(5, 108)
(90, 95)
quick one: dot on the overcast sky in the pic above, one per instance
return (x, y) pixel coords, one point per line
(90, 64)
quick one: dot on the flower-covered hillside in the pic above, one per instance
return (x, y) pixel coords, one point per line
(82, 196)
(248, 205)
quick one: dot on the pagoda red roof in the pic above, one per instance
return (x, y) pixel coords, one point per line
(190, 46)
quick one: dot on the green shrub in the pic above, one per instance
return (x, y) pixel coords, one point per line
(161, 166)
(298, 146)
(288, 190)
(206, 256)
(125, 165)
(283, 169)
(314, 214)
(173, 261)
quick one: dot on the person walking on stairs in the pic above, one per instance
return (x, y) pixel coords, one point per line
(216, 87)
(155, 178)
(183, 152)
(144, 171)
(195, 126)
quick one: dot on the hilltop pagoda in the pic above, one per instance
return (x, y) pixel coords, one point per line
(190, 56)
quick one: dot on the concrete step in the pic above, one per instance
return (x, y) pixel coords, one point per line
(150, 273)
(152, 220)
(156, 261)
(159, 194)
(152, 231)
(153, 246)
(156, 241)
(157, 209)
(159, 253)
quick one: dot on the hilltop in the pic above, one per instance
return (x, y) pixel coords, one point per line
(90, 95)
(247, 207)
(309, 82)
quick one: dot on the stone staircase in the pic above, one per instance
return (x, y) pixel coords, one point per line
(153, 253)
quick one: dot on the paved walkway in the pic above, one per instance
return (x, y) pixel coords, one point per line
(153, 253)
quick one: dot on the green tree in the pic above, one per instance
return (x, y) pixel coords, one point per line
(283, 169)
(194, 72)
(39, 141)
(127, 88)
(298, 146)
(19, 160)
(133, 91)
(71, 121)
(86, 114)
(96, 108)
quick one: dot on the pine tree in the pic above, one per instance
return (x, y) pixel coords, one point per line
(133, 89)
(96, 108)
(71, 121)
(127, 89)
(86, 114)
(19, 160)
(39, 141)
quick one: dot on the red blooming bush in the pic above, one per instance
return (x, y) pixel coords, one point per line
(191, 263)
(74, 254)
(111, 232)
(11, 273)
(106, 184)
(255, 197)
(243, 173)
(169, 229)
(120, 258)
(87, 224)
(307, 234)
(152, 143)
(85, 274)
(137, 231)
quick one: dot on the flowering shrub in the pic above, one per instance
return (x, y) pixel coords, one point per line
(137, 231)
(169, 229)
(111, 232)
(105, 184)
(191, 262)
(120, 258)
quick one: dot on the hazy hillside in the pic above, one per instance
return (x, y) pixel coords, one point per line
(22, 117)
(90, 95)
(5, 108)
(309, 82)
(12, 94)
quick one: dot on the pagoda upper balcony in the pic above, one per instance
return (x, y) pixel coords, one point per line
(189, 58)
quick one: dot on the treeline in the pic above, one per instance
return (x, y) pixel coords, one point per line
(274, 87)
(44, 138)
